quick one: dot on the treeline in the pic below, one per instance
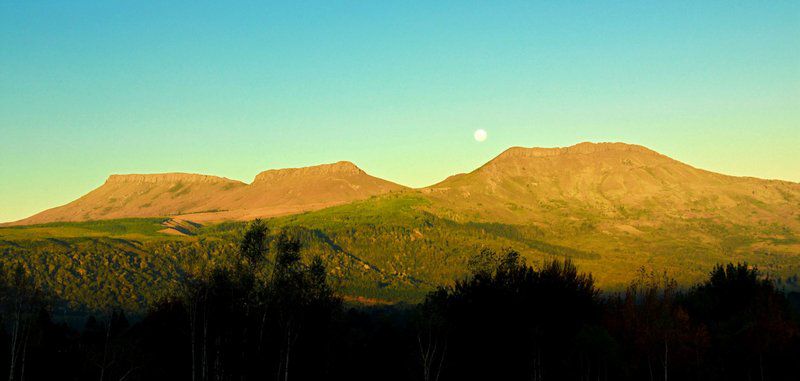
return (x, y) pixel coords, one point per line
(272, 314)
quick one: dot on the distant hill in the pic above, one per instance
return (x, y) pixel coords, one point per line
(612, 181)
(202, 198)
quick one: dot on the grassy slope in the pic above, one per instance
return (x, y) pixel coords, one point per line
(128, 228)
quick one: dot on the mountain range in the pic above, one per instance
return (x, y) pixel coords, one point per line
(203, 198)
(615, 209)
(591, 181)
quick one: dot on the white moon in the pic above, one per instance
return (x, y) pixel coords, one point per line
(480, 135)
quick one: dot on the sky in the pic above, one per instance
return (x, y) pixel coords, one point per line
(231, 88)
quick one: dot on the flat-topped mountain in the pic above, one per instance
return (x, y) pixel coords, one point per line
(342, 168)
(211, 198)
(611, 180)
(152, 195)
(294, 190)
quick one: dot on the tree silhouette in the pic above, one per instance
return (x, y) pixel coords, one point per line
(509, 320)
(270, 313)
(20, 300)
(748, 319)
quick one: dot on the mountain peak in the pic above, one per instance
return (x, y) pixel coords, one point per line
(339, 168)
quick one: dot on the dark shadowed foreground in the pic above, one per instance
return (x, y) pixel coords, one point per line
(273, 316)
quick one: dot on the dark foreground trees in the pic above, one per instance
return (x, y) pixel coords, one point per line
(511, 321)
(752, 333)
(273, 316)
(269, 317)
(21, 302)
(734, 326)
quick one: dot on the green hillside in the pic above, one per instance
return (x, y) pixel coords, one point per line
(127, 228)
(389, 248)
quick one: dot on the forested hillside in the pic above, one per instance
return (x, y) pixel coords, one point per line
(274, 314)
(384, 249)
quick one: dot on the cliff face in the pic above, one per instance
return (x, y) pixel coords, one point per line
(169, 178)
(578, 149)
(342, 168)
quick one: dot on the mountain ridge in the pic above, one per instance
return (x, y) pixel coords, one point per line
(170, 177)
(211, 198)
(613, 208)
(593, 176)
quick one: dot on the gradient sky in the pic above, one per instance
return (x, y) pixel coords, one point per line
(93, 88)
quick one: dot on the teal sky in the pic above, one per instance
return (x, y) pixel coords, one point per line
(226, 88)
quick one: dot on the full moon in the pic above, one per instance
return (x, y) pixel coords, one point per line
(480, 135)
